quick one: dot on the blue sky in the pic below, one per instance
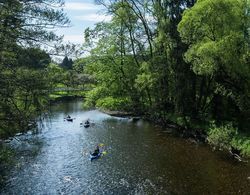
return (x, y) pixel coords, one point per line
(83, 14)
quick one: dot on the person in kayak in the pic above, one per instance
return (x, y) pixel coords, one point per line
(97, 151)
(87, 122)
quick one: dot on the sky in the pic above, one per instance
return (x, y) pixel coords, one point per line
(83, 14)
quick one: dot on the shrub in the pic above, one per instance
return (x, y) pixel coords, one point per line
(93, 95)
(221, 136)
(243, 144)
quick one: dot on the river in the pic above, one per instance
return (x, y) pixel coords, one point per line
(140, 159)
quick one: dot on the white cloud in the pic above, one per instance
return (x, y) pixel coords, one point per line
(80, 6)
(78, 39)
(94, 18)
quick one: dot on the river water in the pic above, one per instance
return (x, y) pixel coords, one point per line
(140, 159)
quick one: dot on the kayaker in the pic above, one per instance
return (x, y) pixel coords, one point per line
(68, 116)
(97, 151)
(87, 122)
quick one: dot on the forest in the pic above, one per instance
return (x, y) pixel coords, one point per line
(182, 62)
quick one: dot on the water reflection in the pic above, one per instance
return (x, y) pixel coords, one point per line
(140, 159)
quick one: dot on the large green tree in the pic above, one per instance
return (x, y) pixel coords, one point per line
(25, 25)
(218, 35)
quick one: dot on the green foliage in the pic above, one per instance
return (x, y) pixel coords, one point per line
(185, 61)
(205, 55)
(79, 65)
(110, 103)
(93, 95)
(23, 97)
(55, 74)
(123, 13)
(222, 136)
(24, 81)
(217, 34)
(242, 143)
(213, 27)
(34, 58)
(145, 79)
(27, 21)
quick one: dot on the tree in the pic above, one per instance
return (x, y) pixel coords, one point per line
(33, 58)
(24, 26)
(67, 63)
(219, 52)
(111, 65)
(148, 30)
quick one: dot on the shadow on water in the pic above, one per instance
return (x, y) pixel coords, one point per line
(140, 159)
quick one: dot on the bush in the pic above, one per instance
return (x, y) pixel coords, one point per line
(222, 136)
(93, 95)
(242, 143)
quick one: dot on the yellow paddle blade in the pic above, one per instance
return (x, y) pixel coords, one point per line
(104, 152)
(101, 145)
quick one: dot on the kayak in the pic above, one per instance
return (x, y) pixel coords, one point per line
(92, 157)
(86, 125)
(69, 119)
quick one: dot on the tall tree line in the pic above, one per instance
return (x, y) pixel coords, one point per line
(166, 58)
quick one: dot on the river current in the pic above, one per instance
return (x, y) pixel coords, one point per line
(140, 158)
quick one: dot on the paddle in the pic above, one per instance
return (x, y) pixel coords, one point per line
(104, 152)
